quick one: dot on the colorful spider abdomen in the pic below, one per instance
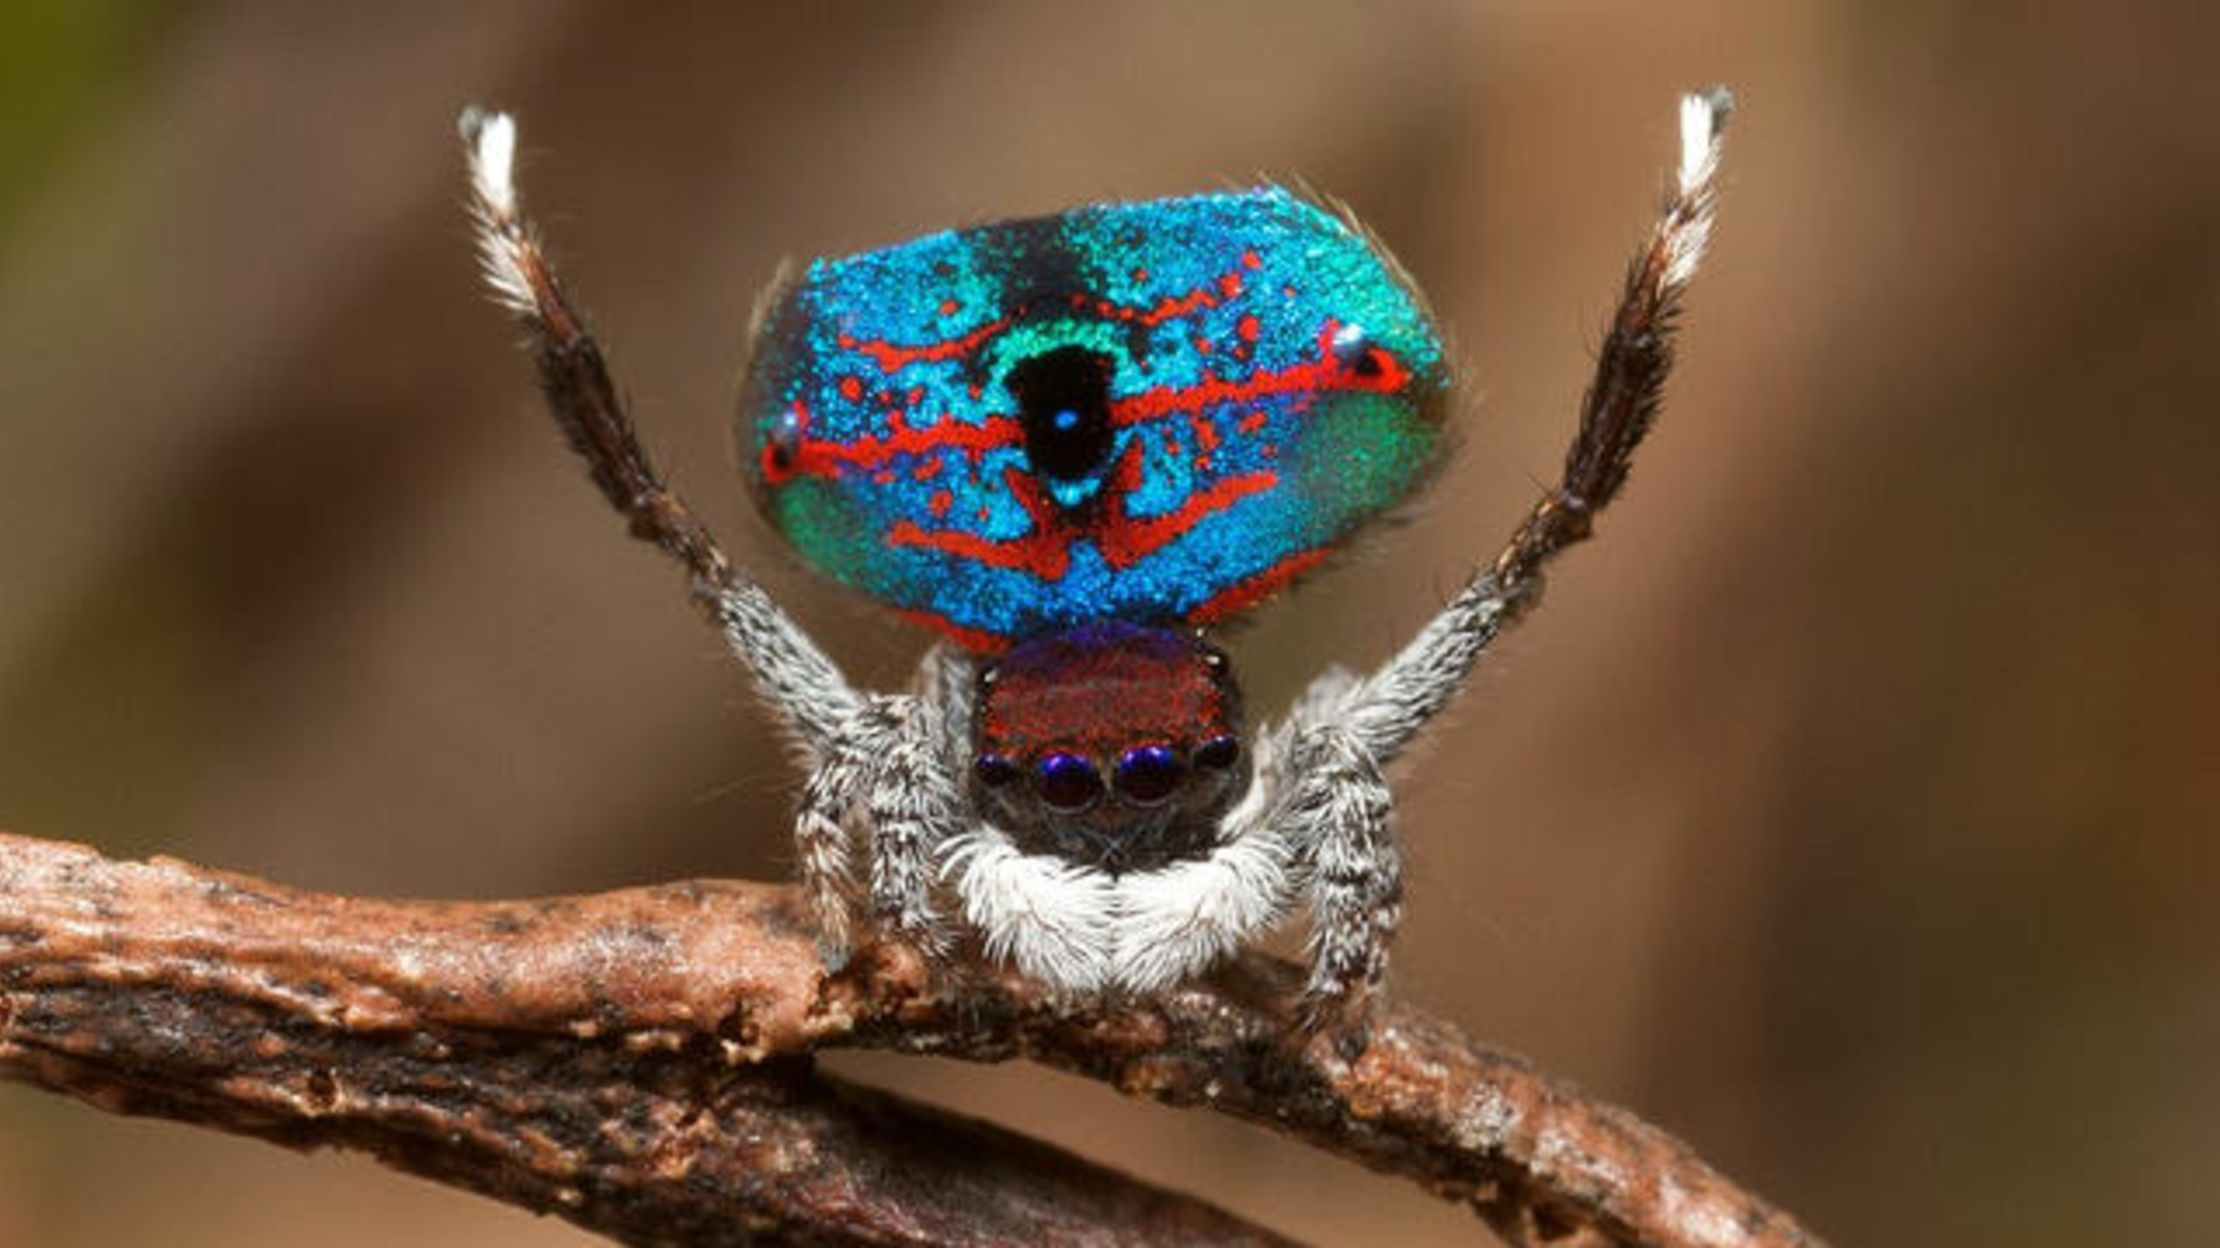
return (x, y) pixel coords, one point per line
(1156, 413)
(1110, 745)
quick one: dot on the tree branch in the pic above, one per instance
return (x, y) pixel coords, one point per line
(637, 1062)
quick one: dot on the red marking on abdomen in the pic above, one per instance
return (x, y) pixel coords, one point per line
(1045, 552)
(1037, 553)
(1324, 374)
(826, 458)
(1127, 541)
(892, 358)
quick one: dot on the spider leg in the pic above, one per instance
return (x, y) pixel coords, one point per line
(1343, 731)
(792, 674)
(1342, 811)
(838, 728)
(915, 806)
(828, 801)
(1385, 710)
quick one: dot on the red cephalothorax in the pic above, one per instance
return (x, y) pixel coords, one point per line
(1110, 745)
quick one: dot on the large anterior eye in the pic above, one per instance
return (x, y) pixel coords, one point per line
(1064, 406)
(1218, 753)
(1147, 774)
(1068, 782)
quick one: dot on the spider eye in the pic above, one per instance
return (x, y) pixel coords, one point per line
(1147, 774)
(1218, 753)
(1069, 783)
(993, 770)
(1063, 399)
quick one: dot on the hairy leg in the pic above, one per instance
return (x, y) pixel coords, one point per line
(916, 808)
(792, 674)
(841, 731)
(1385, 710)
(830, 800)
(1344, 730)
(1343, 813)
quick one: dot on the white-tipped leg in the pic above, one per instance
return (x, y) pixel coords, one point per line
(1385, 710)
(506, 250)
(1703, 128)
(792, 675)
(1343, 810)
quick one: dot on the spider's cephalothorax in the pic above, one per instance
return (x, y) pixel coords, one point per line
(1111, 746)
(1067, 444)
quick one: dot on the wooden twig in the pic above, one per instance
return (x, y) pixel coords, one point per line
(638, 1063)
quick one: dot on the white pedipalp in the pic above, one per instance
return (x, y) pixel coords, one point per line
(1055, 920)
(1179, 920)
(1082, 928)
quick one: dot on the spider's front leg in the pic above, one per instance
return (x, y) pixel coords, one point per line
(1345, 731)
(915, 808)
(857, 746)
(1341, 813)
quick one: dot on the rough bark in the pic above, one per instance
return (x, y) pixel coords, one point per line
(639, 1062)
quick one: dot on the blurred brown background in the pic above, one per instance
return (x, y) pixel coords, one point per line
(1851, 809)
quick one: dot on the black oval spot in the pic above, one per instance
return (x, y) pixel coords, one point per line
(993, 770)
(1147, 774)
(1068, 782)
(1218, 753)
(1063, 399)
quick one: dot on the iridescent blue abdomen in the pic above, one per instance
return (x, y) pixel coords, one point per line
(1155, 412)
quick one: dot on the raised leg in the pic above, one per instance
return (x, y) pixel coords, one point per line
(792, 674)
(1385, 710)
(1343, 731)
(838, 728)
